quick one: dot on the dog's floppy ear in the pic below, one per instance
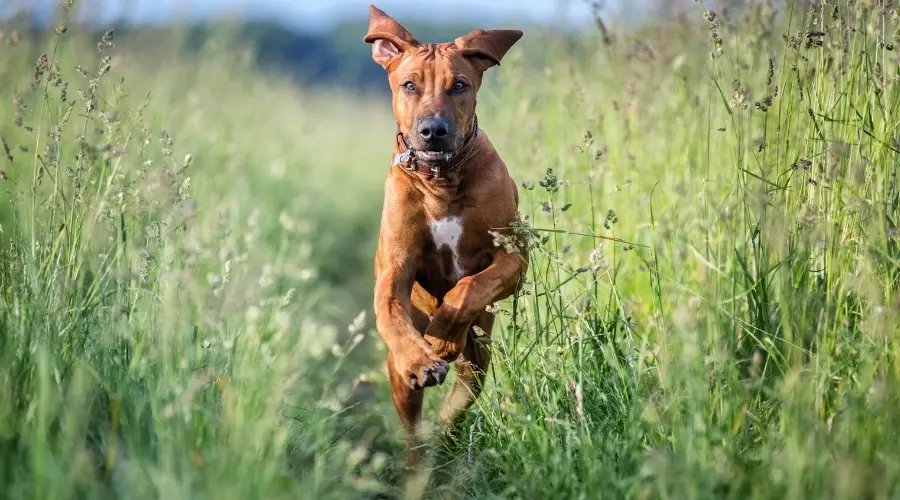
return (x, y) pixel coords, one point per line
(387, 37)
(486, 48)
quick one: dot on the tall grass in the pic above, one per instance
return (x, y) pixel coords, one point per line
(168, 327)
(711, 309)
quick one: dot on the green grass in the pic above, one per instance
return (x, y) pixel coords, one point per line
(712, 308)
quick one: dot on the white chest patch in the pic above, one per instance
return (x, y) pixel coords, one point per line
(446, 233)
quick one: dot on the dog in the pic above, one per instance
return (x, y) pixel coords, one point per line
(448, 195)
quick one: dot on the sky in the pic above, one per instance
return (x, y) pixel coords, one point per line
(311, 14)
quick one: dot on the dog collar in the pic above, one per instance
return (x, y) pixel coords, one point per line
(408, 161)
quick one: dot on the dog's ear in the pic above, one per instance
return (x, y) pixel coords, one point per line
(387, 37)
(486, 48)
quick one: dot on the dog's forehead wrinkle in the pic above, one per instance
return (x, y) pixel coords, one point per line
(426, 52)
(435, 57)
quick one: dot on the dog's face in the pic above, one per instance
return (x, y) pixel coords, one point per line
(435, 85)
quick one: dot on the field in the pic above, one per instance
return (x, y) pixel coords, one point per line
(712, 309)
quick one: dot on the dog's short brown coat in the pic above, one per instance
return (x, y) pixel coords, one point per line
(430, 290)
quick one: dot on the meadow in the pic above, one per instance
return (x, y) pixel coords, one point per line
(712, 309)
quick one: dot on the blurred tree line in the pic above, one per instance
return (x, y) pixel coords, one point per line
(335, 56)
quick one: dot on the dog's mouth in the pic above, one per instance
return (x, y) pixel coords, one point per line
(434, 156)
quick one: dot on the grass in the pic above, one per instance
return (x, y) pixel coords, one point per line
(712, 310)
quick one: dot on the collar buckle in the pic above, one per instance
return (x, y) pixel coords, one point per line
(404, 159)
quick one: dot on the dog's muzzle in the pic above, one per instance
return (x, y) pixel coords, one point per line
(433, 163)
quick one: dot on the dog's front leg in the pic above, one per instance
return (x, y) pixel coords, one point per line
(465, 301)
(412, 364)
(412, 358)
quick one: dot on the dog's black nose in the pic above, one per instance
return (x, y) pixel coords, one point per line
(433, 129)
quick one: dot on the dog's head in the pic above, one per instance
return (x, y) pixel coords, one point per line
(435, 85)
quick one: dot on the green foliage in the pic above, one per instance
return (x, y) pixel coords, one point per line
(711, 311)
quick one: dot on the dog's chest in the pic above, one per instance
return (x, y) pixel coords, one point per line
(446, 234)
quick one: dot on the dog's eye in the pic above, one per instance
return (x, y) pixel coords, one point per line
(409, 87)
(459, 86)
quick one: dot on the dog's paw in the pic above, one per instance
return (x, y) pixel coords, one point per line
(424, 371)
(428, 376)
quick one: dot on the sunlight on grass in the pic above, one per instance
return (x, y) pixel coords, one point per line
(711, 309)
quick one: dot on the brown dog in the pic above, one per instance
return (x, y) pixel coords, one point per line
(438, 266)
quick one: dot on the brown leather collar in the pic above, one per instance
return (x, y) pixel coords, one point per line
(408, 161)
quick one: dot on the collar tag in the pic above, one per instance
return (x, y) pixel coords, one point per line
(403, 157)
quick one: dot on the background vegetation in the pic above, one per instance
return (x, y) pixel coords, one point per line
(189, 217)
